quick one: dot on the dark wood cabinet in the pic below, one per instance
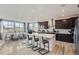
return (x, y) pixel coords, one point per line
(65, 23)
(64, 37)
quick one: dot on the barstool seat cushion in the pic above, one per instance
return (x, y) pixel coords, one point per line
(45, 41)
(36, 39)
(30, 38)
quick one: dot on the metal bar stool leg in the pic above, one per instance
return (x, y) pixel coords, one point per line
(43, 51)
(35, 47)
(29, 41)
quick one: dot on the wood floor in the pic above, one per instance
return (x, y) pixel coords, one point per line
(64, 48)
(18, 48)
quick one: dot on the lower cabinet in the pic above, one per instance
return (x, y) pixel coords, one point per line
(64, 37)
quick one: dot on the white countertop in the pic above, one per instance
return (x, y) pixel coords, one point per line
(43, 34)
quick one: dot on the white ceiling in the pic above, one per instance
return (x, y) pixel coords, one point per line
(32, 12)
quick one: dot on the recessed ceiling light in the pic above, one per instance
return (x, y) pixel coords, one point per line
(33, 10)
(62, 10)
(63, 15)
(64, 20)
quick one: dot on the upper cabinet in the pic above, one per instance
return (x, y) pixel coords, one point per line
(65, 23)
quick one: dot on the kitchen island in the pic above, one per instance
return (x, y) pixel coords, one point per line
(49, 37)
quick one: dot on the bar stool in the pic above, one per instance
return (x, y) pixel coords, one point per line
(45, 43)
(36, 40)
(29, 40)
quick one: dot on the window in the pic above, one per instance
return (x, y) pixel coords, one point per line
(30, 26)
(8, 26)
(12, 26)
(5, 26)
(19, 27)
(22, 27)
(33, 26)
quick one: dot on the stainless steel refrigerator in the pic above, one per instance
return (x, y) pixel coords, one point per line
(76, 36)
